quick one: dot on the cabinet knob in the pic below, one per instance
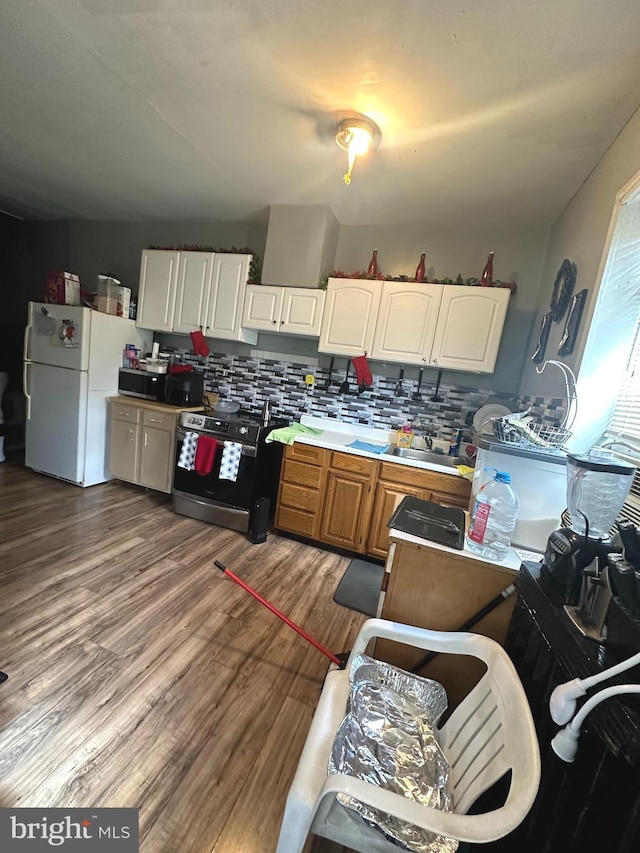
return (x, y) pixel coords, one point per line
(274, 322)
(435, 361)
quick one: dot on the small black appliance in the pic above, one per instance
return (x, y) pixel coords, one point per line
(184, 389)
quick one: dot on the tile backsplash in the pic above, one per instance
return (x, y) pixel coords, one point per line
(252, 379)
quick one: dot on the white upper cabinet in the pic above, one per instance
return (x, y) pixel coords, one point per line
(289, 310)
(185, 291)
(192, 293)
(226, 299)
(469, 328)
(406, 322)
(349, 316)
(456, 327)
(157, 289)
(262, 307)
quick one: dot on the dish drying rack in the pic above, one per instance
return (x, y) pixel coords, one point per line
(516, 431)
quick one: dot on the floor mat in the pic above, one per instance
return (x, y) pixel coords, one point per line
(359, 588)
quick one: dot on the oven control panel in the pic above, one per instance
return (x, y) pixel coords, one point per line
(223, 428)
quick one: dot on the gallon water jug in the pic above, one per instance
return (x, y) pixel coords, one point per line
(494, 517)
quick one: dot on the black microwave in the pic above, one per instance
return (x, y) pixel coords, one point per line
(140, 383)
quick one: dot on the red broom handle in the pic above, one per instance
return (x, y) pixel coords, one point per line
(277, 612)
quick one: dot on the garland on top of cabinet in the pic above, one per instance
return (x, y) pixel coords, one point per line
(511, 285)
(255, 270)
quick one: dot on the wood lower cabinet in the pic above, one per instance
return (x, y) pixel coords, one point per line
(346, 500)
(387, 498)
(440, 589)
(395, 482)
(301, 490)
(141, 442)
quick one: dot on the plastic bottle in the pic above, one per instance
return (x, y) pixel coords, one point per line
(494, 517)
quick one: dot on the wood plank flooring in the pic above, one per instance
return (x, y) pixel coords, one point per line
(140, 676)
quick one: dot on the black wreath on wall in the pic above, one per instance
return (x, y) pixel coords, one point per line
(562, 290)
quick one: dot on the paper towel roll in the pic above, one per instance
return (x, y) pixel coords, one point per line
(155, 351)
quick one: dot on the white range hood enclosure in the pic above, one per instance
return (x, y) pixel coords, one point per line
(301, 245)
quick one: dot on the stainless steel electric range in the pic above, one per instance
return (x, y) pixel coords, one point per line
(229, 503)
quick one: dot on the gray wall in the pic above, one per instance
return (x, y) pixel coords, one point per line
(580, 234)
(518, 255)
(89, 248)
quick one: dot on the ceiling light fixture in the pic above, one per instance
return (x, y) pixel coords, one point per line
(356, 136)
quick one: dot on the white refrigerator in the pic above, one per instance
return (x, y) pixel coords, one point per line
(71, 360)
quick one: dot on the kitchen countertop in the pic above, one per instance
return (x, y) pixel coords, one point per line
(337, 435)
(511, 563)
(151, 404)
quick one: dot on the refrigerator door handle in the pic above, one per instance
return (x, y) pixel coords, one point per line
(27, 342)
(25, 384)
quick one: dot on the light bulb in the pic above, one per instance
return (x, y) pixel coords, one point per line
(356, 136)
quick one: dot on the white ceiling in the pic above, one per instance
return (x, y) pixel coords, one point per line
(490, 110)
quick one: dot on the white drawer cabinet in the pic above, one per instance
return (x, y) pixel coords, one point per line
(141, 442)
(288, 310)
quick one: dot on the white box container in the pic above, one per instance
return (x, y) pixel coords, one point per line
(124, 301)
(540, 482)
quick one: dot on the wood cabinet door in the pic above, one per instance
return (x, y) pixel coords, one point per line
(302, 311)
(469, 327)
(226, 300)
(123, 450)
(449, 499)
(406, 322)
(157, 289)
(387, 497)
(349, 316)
(192, 292)
(262, 307)
(347, 510)
(156, 458)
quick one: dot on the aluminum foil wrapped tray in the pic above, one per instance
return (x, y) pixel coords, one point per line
(387, 738)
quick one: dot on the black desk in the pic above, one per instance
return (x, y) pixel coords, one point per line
(594, 803)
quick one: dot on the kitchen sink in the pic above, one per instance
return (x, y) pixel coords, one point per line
(428, 456)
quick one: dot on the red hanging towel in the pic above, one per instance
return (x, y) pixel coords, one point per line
(205, 455)
(363, 374)
(199, 344)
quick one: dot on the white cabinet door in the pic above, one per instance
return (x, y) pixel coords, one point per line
(192, 292)
(301, 311)
(157, 289)
(406, 322)
(226, 300)
(262, 307)
(349, 317)
(469, 327)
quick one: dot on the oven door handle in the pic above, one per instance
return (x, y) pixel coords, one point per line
(247, 449)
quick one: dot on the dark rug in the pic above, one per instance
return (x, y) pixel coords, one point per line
(359, 588)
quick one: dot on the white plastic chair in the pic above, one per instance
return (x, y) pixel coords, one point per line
(490, 732)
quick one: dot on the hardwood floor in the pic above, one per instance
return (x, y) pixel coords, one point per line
(140, 676)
